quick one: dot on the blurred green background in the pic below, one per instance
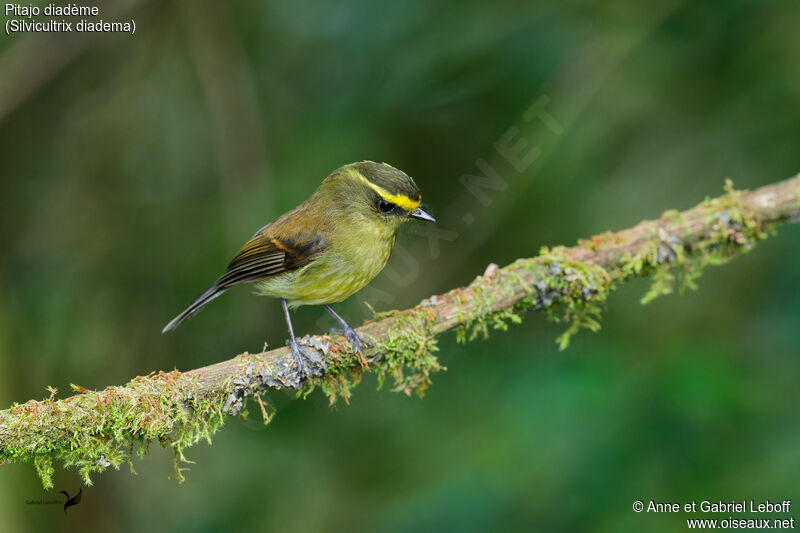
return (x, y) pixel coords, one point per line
(133, 167)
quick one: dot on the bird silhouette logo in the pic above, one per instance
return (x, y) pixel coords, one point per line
(75, 500)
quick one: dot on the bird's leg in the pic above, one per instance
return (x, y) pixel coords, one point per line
(297, 352)
(356, 341)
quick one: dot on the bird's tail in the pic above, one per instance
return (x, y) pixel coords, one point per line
(210, 293)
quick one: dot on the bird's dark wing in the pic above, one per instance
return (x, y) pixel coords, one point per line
(269, 253)
(265, 256)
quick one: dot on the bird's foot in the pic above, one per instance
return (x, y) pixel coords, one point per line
(299, 356)
(356, 341)
(302, 357)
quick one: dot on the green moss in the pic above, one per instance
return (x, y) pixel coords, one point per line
(408, 352)
(481, 317)
(569, 291)
(94, 432)
(44, 467)
(673, 215)
(405, 357)
(734, 231)
(341, 376)
(580, 290)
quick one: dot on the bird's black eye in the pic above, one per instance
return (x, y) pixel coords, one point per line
(385, 206)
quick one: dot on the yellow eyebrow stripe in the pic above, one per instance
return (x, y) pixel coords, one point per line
(398, 199)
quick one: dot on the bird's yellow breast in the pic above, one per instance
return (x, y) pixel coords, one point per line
(359, 253)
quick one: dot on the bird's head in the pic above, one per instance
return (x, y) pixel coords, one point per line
(376, 192)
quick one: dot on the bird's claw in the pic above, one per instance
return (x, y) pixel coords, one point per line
(300, 356)
(357, 342)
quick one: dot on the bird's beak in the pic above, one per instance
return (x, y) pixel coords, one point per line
(419, 214)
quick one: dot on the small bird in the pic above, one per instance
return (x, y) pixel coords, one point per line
(325, 249)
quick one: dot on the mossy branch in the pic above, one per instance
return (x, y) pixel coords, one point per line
(93, 430)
